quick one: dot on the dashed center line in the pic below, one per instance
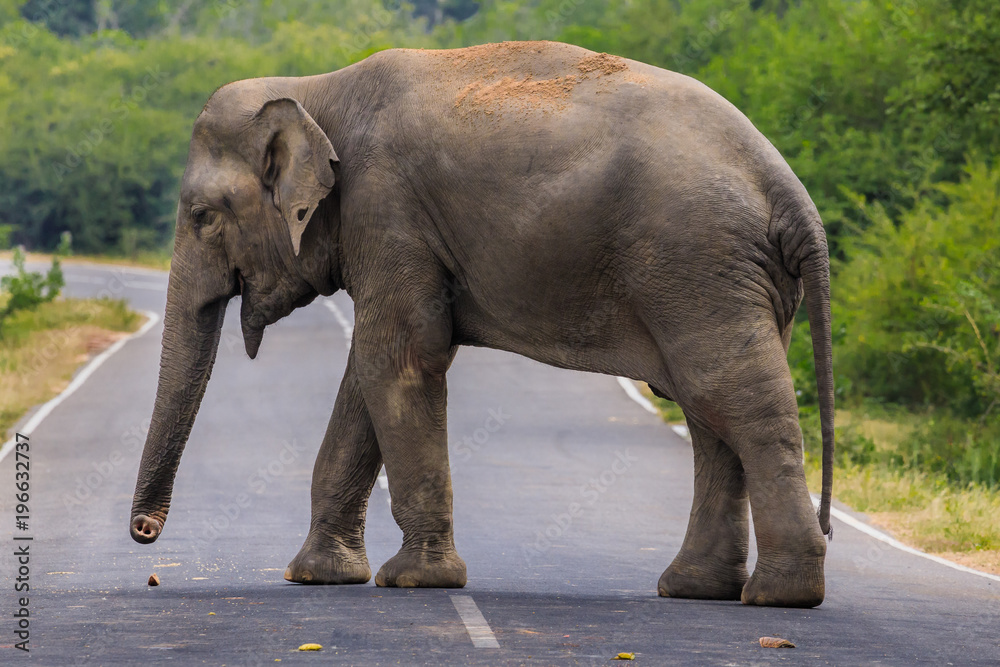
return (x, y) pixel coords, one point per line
(475, 624)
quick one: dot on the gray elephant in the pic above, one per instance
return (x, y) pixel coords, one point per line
(584, 210)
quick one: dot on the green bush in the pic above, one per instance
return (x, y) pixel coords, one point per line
(955, 449)
(963, 451)
(26, 290)
(917, 301)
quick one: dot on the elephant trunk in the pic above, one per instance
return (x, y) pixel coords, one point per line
(190, 342)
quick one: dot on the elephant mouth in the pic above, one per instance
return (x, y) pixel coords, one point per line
(262, 307)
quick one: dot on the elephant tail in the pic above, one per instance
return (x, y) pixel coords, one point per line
(804, 250)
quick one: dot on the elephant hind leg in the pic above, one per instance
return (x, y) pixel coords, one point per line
(712, 563)
(343, 476)
(738, 385)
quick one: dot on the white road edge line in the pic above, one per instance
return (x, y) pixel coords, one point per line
(342, 320)
(77, 382)
(634, 394)
(475, 624)
(130, 284)
(383, 483)
(882, 537)
(647, 405)
(842, 516)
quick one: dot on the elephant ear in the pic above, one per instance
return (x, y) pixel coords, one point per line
(298, 165)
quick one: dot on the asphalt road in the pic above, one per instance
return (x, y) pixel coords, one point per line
(527, 442)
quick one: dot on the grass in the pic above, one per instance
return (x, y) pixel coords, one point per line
(912, 476)
(924, 510)
(42, 348)
(883, 470)
(147, 259)
(671, 412)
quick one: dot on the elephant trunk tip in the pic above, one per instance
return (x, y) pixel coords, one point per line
(145, 529)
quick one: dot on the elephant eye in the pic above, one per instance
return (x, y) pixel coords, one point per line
(199, 216)
(206, 223)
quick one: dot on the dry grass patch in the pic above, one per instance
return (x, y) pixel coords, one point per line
(924, 511)
(41, 349)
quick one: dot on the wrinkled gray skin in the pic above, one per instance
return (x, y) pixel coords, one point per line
(602, 215)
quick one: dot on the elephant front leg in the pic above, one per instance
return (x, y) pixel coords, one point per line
(405, 390)
(712, 563)
(346, 468)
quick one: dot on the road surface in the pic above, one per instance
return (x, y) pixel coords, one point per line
(527, 441)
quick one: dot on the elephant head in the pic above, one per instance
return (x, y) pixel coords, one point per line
(258, 169)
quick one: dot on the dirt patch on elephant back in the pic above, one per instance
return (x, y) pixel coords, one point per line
(602, 63)
(524, 76)
(635, 77)
(525, 93)
(494, 56)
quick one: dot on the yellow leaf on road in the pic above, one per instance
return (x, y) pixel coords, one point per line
(310, 647)
(624, 656)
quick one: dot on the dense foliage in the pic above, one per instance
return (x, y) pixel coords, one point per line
(888, 111)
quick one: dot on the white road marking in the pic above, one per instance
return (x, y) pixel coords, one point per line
(128, 284)
(477, 627)
(882, 537)
(383, 483)
(634, 394)
(77, 382)
(342, 320)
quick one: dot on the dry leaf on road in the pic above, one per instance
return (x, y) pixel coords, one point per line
(775, 642)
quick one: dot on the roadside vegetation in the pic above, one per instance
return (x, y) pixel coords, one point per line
(889, 112)
(149, 259)
(44, 339)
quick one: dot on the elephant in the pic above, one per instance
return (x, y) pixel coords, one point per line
(584, 210)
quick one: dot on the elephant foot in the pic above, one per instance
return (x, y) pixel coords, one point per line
(796, 586)
(418, 569)
(329, 566)
(702, 581)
